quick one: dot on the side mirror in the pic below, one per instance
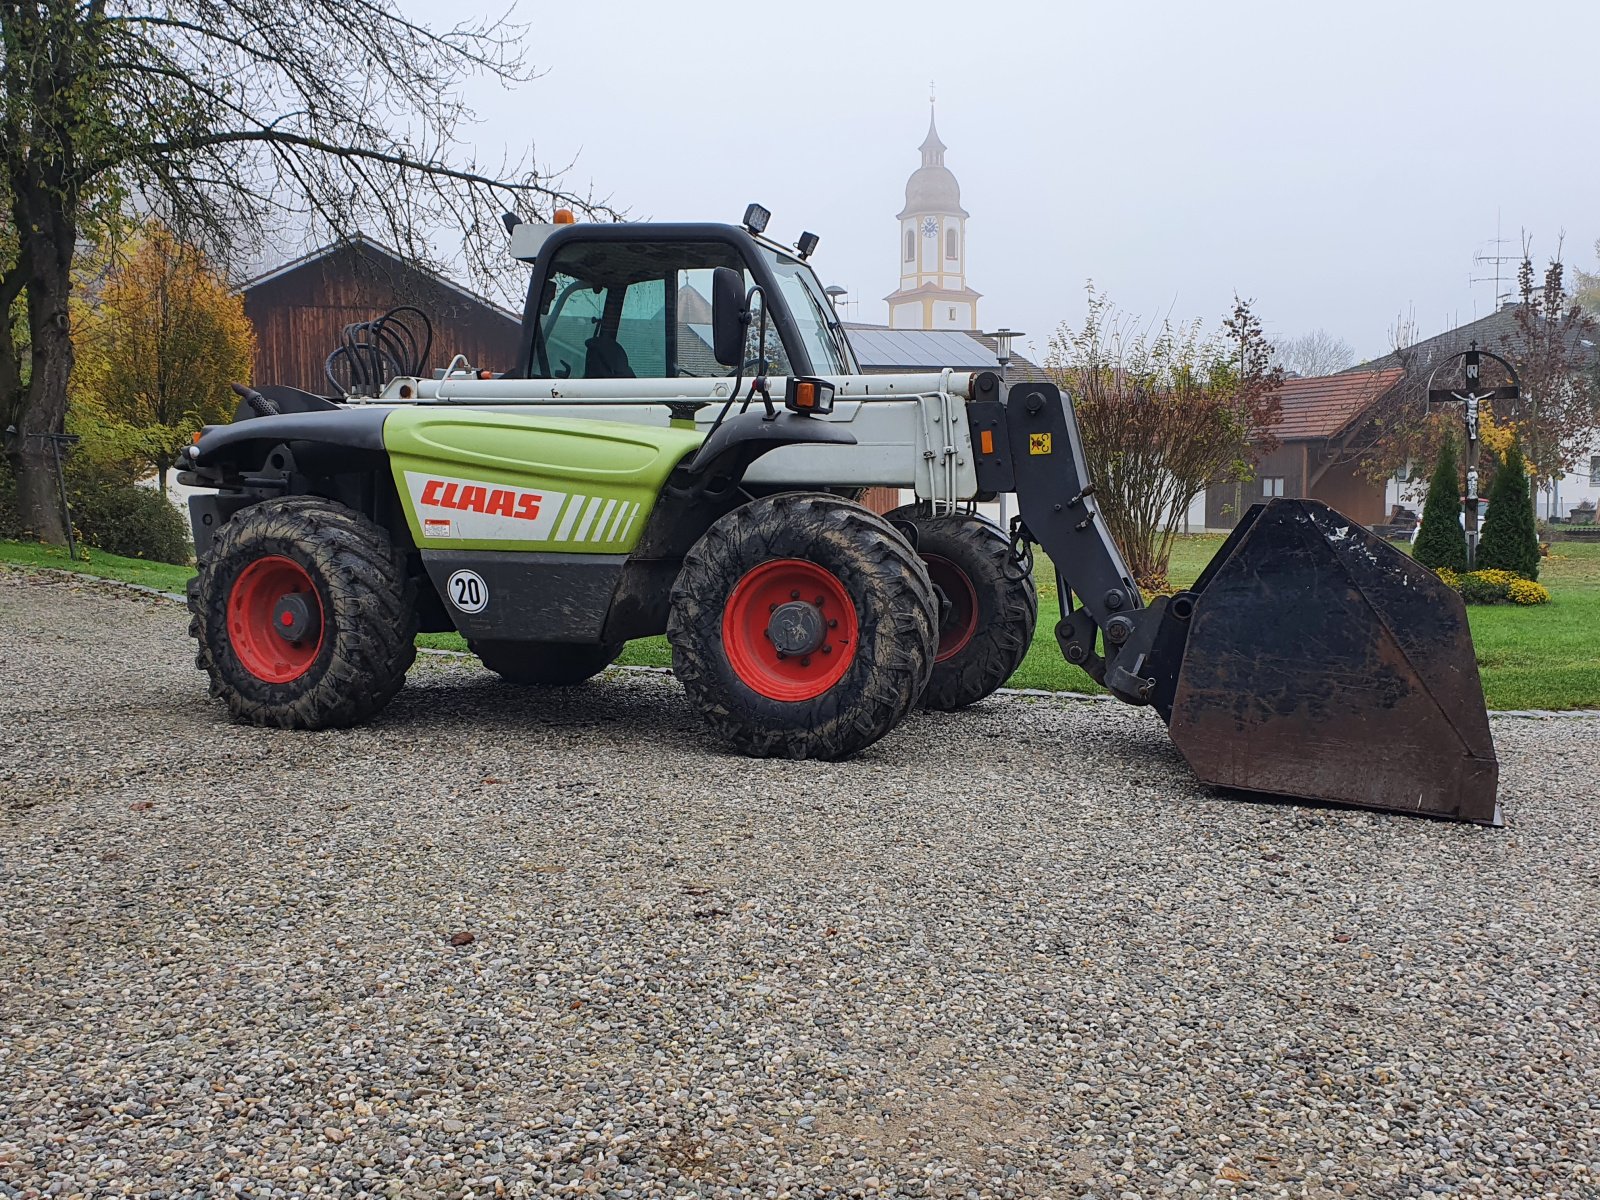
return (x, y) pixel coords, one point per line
(729, 317)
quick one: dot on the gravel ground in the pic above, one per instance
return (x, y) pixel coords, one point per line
(1015, 952)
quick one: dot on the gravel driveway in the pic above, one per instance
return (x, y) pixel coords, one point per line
(1011, 952)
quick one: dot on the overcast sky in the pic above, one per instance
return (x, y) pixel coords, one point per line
(1340, 164)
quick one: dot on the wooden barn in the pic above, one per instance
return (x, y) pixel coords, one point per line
(300, 309)
(1319, 439)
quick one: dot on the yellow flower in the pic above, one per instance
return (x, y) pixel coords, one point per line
(1496, 576)
(1526, 591)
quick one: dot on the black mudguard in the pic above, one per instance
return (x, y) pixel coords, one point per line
(740, 440)
(328, 441)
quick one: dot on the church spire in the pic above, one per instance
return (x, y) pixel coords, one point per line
(932, 148)
(933, 292)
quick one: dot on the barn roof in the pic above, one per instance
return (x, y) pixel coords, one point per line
(1324, 406)
(916, 349)
(362, 244)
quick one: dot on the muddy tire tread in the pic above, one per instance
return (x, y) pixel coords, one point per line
(896, 643)
(369, 640)
(1008, 606)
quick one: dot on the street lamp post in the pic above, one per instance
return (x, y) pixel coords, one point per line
(1002, 346)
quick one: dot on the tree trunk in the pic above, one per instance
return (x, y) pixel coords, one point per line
(51, 233)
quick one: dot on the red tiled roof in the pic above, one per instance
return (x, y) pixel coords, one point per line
(1324, 406)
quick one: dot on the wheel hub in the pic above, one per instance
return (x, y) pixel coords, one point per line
(958, 605)
(296, 617)
(789, 629)
(275, 619)
(797, 627)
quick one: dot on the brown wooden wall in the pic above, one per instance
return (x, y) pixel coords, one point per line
(1343, 486)
(299, 315)
(1226, 502)
(880, 499)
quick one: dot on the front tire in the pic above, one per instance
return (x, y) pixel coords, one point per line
(987, 627)
(304, 616)
(802, 626)
(546, 664)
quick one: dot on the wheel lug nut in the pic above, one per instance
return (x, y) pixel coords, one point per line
(767, 633)
(805, 660)
(832, 623)
(772, 608)
(794, 595)
(827, 649)
(781, 654)
(819, 601)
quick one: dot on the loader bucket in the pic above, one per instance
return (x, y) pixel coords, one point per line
(1318, 661)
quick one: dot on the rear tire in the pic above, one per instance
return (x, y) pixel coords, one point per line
(987, 629)
(546, 664)
(352, 593)
(854, 679)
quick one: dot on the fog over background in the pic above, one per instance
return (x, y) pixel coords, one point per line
(1341, 165)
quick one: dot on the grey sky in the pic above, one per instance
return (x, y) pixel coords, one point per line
(1339, 163)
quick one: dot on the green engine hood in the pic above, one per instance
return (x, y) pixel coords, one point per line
(477, 480)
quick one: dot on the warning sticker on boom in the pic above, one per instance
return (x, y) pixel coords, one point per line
(1038, 443)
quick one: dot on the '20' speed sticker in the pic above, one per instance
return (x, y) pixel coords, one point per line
(468, 592)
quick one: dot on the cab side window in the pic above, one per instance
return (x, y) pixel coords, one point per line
(638, 310)
(571, 317)
(694, 356)
(642, 329)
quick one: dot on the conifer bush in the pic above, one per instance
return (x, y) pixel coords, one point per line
(1510, 539)
(1442, 542)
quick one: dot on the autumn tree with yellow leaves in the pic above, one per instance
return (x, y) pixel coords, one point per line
(157, 346)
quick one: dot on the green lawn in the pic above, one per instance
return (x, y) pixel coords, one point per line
(1044, 667)
(164, 576)
(1549, 656)
(1545, 657)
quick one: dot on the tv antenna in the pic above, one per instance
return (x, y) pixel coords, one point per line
(1499, 258)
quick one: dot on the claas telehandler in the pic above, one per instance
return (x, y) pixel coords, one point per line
(679, 447)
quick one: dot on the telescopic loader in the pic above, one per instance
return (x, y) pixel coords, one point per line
(677, 449)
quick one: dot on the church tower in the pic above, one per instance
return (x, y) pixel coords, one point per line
(933, 292)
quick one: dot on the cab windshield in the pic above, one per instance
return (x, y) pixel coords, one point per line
(814, 316)
(626, 310)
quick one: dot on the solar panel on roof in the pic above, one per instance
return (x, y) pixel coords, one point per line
(920, 349)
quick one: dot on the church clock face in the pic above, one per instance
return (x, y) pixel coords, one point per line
(930, 227)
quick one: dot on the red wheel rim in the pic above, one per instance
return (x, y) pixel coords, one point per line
(812, 601)
(961, 622)
(252, 614)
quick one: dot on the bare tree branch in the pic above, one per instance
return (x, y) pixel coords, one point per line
(1163, 414)
(1312, 354)
(240, 123)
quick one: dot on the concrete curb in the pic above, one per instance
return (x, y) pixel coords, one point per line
(64, 573)
(1516, 714)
